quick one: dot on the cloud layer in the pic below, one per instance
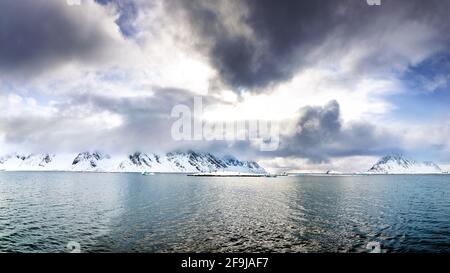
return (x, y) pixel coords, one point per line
(344, 79)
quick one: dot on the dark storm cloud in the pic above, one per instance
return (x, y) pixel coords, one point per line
(36, 35)
(285, 33)
(281, 29)
(318, 124)
(321, 134)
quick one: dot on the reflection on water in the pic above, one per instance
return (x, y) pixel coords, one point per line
(42, 212)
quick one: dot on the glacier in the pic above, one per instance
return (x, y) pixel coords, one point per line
(173, 162)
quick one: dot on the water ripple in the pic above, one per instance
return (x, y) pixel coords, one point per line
(42, 212)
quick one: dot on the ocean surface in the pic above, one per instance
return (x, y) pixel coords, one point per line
(100, 212)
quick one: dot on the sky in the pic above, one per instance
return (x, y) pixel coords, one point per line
(345, 82)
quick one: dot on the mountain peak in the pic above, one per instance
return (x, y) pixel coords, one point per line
(400, 164)
(89, 158)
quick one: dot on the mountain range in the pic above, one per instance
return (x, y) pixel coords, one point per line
(181, 162)
(174, 162)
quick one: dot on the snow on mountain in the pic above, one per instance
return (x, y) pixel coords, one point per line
(188, 162)
(35, 162)
(25, 161)
(398, 164)
(95, 162)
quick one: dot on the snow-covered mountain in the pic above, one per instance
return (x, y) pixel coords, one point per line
(26, 161)
(177, 162)
(399, 164)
